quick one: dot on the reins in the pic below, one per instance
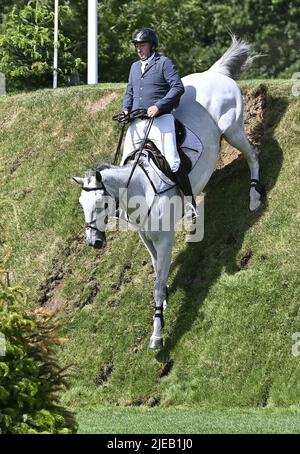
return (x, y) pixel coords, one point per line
(149, 125)
(125, 119)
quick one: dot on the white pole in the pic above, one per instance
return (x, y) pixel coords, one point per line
(2, 85)
(92, 41)
(55, 62)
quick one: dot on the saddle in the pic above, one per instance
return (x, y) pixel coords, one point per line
(158, 158)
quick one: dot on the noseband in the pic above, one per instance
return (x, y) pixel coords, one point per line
(88, 225)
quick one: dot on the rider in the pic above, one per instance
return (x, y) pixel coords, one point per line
(155, 85)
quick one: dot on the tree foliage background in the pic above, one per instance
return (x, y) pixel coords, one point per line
(193, 33)
(30, 376)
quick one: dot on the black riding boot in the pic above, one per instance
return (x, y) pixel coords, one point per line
(183, 181)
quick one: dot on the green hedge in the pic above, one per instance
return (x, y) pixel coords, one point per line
(30, 377)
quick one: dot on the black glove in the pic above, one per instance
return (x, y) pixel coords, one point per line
(121, 117)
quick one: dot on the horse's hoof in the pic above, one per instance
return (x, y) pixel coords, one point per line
(255, 206)
(156, 343)
(257, 196)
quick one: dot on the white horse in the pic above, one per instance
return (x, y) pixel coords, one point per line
(211, 106)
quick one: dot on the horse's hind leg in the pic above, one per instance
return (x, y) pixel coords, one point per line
(236, 136)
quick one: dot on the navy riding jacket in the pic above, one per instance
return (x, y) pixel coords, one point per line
(159, 85)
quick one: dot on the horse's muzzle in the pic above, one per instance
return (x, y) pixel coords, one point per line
(99, 244)
(96, 239)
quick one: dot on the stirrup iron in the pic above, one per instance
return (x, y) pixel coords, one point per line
(191, 211)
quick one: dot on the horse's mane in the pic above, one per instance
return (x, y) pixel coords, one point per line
(102, 166)
(99, 166)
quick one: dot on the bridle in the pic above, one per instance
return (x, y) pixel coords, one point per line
(100, 188)
(89, 225)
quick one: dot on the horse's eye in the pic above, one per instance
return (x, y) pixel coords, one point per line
(99, 209)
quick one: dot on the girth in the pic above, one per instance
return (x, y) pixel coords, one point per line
(160, 161)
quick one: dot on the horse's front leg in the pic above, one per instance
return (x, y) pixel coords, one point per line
(150, 248)
(163, 248)
(153, 254)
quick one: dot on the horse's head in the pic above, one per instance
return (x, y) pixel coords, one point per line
(97, 205)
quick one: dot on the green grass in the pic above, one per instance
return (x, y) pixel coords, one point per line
(179, 421)
(46, 137)
(228, 334)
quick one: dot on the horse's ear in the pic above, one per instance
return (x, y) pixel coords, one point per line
(98, 176)
(78, 180)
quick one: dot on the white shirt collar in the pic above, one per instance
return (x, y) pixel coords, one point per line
(147, 62)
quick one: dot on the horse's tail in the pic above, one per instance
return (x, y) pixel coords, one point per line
(235, 59)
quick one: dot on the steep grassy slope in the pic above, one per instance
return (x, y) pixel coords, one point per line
(45, 138)
(234, 301)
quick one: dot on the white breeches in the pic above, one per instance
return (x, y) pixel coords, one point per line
(162, 133)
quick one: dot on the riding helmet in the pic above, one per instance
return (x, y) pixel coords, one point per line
(145, 35)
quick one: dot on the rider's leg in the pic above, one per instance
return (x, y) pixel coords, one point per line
(164, 136)
(134, 137)
(183, 181)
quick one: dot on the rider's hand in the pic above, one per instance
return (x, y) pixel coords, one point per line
(122, 115)
(152, 111)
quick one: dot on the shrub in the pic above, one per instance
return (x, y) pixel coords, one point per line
(30, 377)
